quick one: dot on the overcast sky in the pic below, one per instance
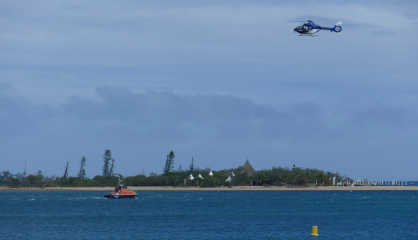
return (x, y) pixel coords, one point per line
(221, 81)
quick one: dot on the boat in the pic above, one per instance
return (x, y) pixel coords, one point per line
(121, 192)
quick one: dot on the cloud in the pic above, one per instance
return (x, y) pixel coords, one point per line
(16, 117)
(166, 116)
(241, 48)
(411, 15)
(150, 122)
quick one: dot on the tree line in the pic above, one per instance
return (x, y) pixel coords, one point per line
(39, 179)
(192, 176)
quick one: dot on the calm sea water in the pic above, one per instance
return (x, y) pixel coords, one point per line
(209, 215)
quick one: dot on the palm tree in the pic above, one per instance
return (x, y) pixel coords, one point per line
(302, 177)
(260, 177)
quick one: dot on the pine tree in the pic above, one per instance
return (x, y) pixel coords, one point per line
(166, 168)
(191, 166)
(82, 172)
(171, 157)
(67, 166)
(24, 175)
(106, 163)
(111, 168)
(169, 163)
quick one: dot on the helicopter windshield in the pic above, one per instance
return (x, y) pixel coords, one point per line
(303, 28)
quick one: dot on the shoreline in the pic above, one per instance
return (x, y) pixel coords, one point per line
(236, 188)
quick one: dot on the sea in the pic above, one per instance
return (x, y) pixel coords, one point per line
(209, 215)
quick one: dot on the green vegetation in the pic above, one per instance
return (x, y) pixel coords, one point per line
(169, 163)
(82, 172)
(66, 171)
(107, 168)
(276, 176)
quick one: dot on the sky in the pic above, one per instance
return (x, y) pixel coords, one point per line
(219, 81)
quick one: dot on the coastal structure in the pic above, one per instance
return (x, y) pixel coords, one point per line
(229, 179)
(348, 181)
(249, 170)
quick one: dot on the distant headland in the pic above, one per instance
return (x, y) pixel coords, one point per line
(193, 178)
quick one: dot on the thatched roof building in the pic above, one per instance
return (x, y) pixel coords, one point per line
(349, 180)
(247, 168)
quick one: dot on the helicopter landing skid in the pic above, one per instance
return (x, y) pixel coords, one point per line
(308, 35)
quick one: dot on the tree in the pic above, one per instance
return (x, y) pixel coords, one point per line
(320, 176)
(106, 163)
(20, 177)
(339, 178)
(171, 157)
(67, 166)
(192, 167)
(219, 177)
(47, 180)
(166, 168)
(301, 177)
(287, 177)
(241, 178)
(24, 175)
(111, 168)
(169, 163)
(173, 179)
(5, 176)
(82, 172)
(260, 177)
(13, 182)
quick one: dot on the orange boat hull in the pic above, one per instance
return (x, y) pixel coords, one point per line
(121, 196)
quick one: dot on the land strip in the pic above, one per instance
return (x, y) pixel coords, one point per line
(235, 188)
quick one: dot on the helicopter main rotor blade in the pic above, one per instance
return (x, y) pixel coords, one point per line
(312, 21)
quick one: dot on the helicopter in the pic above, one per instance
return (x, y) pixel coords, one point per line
(309, 28)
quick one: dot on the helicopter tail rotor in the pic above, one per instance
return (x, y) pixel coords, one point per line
(337, 28)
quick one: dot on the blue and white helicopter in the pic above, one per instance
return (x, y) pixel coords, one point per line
(310, 28)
